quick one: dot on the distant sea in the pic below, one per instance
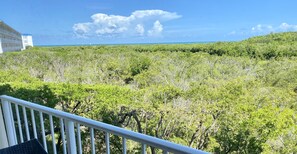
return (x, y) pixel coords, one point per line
(127, 44)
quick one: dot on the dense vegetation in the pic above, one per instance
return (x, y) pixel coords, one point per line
(224, 97)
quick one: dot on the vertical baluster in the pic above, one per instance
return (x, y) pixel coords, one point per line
(8, 123)
(124, 146)
(107, 142)
(79, 138)
(26, 123)
(53, 133)
(3, 133)
(12, 118)
(70, 134)
(19, 123)
(165, 152)
(143, 148)
(42, 131)
(92, 141)
(34, 124)
(63, 135)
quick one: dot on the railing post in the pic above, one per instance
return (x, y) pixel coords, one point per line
(143, 148)
(3, 136)
(70, 134)
(70, 119)
(11, 134)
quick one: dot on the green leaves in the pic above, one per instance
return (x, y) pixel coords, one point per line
(225, 97)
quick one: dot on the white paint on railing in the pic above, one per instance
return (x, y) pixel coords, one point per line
(26, 123)
(12, 121)
(3, 136)
(11, 135)
(63, 136)
(42, 130)
(70, 119)
(107, 143)
(33, 123)
(92, 140)
(143, 148)
(53, 134)
(19, 123)
(70, 135)
(79, 138)
(124, 146)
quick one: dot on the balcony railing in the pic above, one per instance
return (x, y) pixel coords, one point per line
(70, 126)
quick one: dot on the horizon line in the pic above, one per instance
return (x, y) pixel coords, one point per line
(99, 44)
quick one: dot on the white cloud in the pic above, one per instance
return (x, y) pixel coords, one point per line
(156, 30)
(110, 25)
(81, 29)
(284, 27)
(160, 14)
(262, 28)
(287, 27)
(140, 29)
(265, 29)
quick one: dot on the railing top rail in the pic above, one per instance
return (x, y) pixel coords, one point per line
(149, 140)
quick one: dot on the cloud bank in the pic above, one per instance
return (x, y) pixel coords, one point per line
(284, 27)
(140, 23)
(265, 29)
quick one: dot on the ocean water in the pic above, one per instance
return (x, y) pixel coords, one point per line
(119, 44)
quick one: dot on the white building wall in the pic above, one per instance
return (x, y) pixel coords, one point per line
(1, 46)
(27, 41)
(11, 40)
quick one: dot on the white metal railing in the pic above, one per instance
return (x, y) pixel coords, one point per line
(72, 142)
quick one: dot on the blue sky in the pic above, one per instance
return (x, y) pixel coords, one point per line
(62, 22)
